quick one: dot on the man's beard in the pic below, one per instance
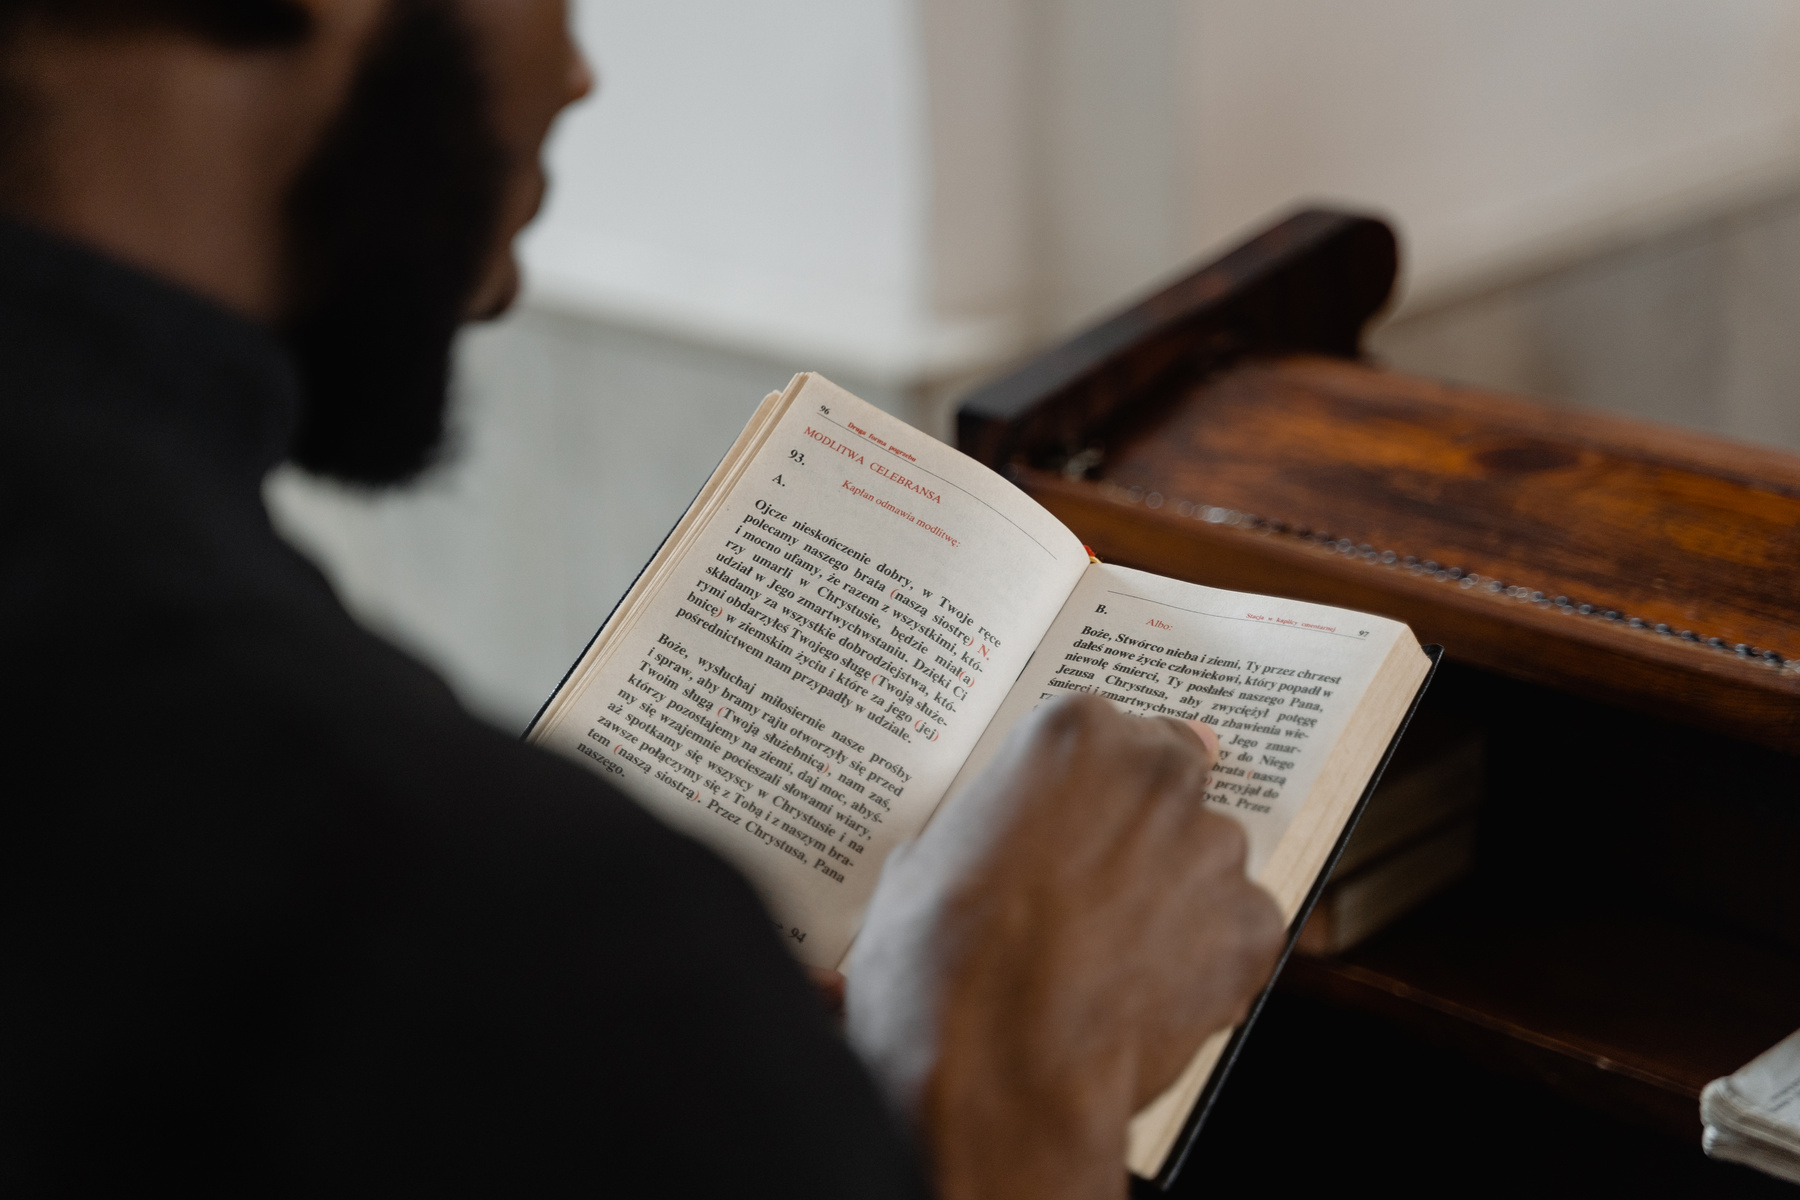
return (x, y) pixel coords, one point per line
(392, 225)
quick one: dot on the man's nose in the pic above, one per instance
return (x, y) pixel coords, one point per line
(582, 80)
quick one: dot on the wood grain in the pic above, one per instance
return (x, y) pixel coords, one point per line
(1667, 527)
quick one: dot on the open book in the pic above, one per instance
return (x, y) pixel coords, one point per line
(851, 616)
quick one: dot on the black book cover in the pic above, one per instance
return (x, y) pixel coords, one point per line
(1184, 1143)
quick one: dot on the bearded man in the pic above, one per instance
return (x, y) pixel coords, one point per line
(279, 916)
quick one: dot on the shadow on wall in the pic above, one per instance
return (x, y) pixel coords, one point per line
(1700, 327)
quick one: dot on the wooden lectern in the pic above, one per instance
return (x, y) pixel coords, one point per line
(1620, 608)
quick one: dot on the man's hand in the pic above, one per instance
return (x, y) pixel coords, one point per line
(1050, 953)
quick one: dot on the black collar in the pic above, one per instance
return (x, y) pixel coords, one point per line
(84, 337)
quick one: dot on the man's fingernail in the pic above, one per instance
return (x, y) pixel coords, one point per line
(1208, 736)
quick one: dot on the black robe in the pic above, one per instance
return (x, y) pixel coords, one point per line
(276, 915)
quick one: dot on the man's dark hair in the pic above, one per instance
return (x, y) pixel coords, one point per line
(229, 22)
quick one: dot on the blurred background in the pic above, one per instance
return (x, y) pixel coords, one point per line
(1598, 203)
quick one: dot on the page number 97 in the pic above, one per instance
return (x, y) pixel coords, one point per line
(797, 457)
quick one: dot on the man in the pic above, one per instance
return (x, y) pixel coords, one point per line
(278, 916)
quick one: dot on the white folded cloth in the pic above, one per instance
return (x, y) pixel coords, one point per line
(1753, 1116)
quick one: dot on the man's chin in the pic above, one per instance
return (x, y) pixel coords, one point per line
(499, 292)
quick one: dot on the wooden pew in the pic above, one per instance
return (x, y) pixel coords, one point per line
(1620, 608)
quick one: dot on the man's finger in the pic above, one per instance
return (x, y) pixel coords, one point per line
(830, 988)
(1200, 730)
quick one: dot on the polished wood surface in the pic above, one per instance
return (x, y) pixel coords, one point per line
(1668, 525)
(1484, 522)
(1617, 559)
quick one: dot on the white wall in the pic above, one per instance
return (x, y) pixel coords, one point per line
(1494, 134)
(1113, 184)
(755, 175)
(1698, 327)
(909, 189)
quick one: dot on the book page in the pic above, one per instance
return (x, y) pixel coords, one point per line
(797, 680)
(1304, 699)
(1277, 679)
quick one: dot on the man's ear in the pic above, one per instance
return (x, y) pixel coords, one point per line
(338, 34)
(325, 11)
(236, 24)
(335, 19)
